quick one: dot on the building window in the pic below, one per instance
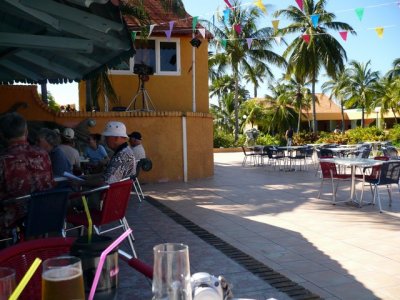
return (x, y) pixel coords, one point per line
(161, 54)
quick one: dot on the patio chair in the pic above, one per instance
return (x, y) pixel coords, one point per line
(276, 156)
(115, 198)
(329, 172)
(21, 256)
(389, 174)
(299, 156)
(390, 152)
(252, 156)
(146, 165)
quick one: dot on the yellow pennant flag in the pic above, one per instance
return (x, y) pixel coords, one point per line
(275, 24)
(260, 5)
(379, 31)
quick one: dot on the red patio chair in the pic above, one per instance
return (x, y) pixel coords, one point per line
(329, 171)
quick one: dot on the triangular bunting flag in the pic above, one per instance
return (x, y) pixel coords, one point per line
(194, 23)
(226, 15)
(360, 13)
(314, 20)
(300, 4)
(223, 42)
(275, 24)
(151, 29)
(238, 28)
(343, 34)
(227, 3)
(260, 5)
(168, 34)
(278, 39)
(379, 31)
(133, 35)
(306, 38)
(171, 25)
(202, 32)
(249, 42)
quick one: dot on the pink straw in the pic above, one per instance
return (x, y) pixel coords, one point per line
(103, 258)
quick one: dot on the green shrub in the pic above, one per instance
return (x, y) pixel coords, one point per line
(367, 134)
(394, 135)
(267, 140)
(223, 139)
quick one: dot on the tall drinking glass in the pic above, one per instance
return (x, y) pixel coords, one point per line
(62, 279)
(7, 282)
(171, 276)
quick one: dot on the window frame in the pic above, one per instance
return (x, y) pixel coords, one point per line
(158, 41)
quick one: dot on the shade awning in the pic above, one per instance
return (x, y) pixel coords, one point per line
(60, 41)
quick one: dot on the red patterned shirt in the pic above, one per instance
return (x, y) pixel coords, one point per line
(24, 169)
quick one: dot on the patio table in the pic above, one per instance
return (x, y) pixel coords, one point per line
(341, 151)
(354, 163)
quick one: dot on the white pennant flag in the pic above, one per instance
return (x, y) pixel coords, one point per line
(278, 39)
(151, 29)
(202, 32)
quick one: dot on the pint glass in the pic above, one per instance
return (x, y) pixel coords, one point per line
(62, 279)
(7, 282)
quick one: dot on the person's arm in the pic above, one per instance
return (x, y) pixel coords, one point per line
(104, 154)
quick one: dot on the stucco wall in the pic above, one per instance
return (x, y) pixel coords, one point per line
(161, 131)
(167, 93)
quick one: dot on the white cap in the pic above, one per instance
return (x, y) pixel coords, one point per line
(68, 133)
(114, 128)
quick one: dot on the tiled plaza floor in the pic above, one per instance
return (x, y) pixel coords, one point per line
(337, 252)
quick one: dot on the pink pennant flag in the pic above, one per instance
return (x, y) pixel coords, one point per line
(227, 3)
(249, 42)
(238, 28)
(202, 32)
(343, 34)
(300, 3)
(168, 34)
(306, 38)
(171, 25)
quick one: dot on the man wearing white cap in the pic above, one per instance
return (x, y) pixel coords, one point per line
(122, 163)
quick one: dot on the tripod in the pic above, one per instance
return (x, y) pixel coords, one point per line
(147, 105)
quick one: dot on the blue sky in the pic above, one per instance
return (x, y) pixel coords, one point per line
(364, 46)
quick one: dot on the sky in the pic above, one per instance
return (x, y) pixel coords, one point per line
(364, 46)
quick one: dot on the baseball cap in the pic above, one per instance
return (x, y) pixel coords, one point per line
(68, 133)
(115, 128)
(136, 135)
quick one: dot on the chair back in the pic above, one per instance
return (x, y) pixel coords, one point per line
(390, 152)
(22, 255)
(376, 169)
(328, 169)
(390, 173)
(46, 212)
(325, 152)
(116, 201)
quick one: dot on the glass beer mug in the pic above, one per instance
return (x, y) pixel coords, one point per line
(62, 279)
(171, 276)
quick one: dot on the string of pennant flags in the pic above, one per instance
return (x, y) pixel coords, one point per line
(359, 12)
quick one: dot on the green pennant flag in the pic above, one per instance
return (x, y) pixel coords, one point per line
(194, 23)
(223, 42)
(133, 35)
(360, 13)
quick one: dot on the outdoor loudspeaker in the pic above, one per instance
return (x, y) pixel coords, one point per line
(195, 42)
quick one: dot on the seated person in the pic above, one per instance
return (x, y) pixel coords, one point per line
(24, 169)
(49, 141)
(135, 140)
(96, 154)
(67, 146)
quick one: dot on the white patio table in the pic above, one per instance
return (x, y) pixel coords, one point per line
(354, 163)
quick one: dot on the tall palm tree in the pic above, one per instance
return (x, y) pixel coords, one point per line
(280, 103)
(395, 71)
(257, 77)
(236, 55)
(322, 50)
(224, 113)
(387, 96)
(362, 86)
(339, 88)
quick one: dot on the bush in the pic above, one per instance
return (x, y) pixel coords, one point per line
(223, 139)
(394, 135)
(267, 140)
(367, 134)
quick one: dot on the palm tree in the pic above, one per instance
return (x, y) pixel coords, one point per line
(252, 112)
(395, 71)
(280, 103)
(322, 50)
(224, 113)
(236, 55)
(257, 77)
(387, 96)
(361, 86)
(339, 88)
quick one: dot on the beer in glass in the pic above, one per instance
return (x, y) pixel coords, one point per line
(62, 279)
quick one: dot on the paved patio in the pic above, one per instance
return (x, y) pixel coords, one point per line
(336, 252)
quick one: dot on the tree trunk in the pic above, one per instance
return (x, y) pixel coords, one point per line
(89, 102)
(236, 104)
(362, 116)
(314, 112)
(43, 87)
(394, 114)
(342, 112)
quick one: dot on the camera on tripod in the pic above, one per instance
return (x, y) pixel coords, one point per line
(143, 70)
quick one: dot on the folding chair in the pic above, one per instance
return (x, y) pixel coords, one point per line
(144, 164)
(115, 198)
